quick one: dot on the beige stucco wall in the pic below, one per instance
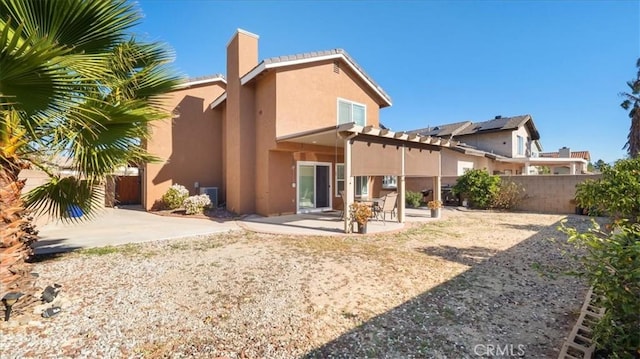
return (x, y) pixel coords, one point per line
(450, 160)
(307, 97)
(293, 100)
(544, 193)
(240, 131)
(549, 193)
(270, 167)
(189, 145)
(502, 142)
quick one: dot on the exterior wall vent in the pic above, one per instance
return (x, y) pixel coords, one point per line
(212, 192)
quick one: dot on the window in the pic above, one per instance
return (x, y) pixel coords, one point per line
(361, 182)
(339, 178)
(351, 112)
(520, 145)
(362, 186)
(389, 182)
(464, 166)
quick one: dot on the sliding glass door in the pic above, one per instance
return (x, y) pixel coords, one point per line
(314, 186)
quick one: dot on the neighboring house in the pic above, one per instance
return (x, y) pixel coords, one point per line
(503, 145)
(566, 152)
(285, 135)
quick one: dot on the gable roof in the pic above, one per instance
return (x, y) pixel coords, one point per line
(443, 130)
(469, 128)
(201, 81)
(317, 56)
(574, 154)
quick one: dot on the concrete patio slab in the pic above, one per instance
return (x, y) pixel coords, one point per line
(116, 226)
(326, 223)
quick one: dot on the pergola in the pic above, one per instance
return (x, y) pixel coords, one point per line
(373, 151)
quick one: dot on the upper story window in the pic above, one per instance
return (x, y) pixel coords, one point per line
(349, 111)
(520, 146)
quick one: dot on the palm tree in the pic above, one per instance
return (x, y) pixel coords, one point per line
(632, 104)
(73, 82)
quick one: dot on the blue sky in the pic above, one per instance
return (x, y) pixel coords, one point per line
(563, 62)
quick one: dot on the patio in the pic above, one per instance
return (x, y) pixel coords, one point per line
(329, 223)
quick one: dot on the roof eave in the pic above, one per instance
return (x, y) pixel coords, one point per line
(222, 98)
(200, 82)
(262, 66)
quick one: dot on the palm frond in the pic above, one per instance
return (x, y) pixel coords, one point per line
(87, 26)
(60, 196)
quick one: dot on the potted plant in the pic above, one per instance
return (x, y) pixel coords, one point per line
(360, 213)
(434, 206)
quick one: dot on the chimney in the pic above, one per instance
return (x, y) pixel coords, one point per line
(239, 124)
(564, 152)
(242, 54)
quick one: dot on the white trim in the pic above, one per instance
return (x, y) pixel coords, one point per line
(200, 82)
(330, 196)
(241, 31)
(218, 101)
(355, 188)
(351, 103)
(344, 180)
(262, 66)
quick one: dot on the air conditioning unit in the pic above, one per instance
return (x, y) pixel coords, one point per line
(212, 192)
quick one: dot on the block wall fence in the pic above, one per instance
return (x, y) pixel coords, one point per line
(544, 193)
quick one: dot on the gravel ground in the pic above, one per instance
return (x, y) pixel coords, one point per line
(450, 289)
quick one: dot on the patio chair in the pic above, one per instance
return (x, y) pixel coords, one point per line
(388, 206)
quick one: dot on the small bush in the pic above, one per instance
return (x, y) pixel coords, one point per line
(175, 196)
(196, 204)
(611, 267)
(479, 187)
(413, 199)
(616, 193)
(509, 195)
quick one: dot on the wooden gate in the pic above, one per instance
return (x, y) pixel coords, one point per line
(128, 190)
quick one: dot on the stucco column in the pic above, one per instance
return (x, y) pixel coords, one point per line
(572, 168)
(401, 190)
(348, 186)
(401, 201)
(437, 183)
(527, 166)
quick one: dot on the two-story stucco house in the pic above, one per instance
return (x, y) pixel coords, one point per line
(502, 145)
(284, 135)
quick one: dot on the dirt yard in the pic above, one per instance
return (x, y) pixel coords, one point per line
(457, 288)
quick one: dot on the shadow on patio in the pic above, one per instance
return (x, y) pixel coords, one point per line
(500, 301)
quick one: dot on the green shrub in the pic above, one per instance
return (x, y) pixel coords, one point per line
(413, 199)
(616, 193)
(612, 262)
(509, 195)
(611, 266)
(175, 196)
(479, 187)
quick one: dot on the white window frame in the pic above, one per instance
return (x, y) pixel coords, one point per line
(352, 103)
(314, 164)
(520, 145)
(357, 188)
(355, 183)
(338, 179)
(389, 182)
